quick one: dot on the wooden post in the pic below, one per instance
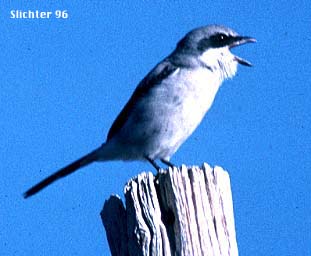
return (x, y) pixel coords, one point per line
(183, 211)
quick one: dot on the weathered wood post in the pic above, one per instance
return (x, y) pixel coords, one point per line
(183, 211)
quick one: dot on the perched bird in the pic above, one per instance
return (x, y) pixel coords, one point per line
(169, 103)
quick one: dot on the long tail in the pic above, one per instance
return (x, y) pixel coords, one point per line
(83, 161)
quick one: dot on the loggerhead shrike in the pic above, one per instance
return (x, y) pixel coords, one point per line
(169, 103)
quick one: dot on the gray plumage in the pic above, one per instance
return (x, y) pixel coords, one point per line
(169, 103)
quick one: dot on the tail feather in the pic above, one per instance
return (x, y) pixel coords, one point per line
(83, 161)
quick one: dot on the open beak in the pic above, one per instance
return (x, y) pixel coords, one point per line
(240, 40)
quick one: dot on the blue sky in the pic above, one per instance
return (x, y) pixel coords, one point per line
(63, 81)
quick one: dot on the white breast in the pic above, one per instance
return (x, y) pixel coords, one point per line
(167, 115)
(189, 94)
(197, 92)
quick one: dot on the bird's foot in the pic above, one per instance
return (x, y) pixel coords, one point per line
(168, 163)
(154, 164)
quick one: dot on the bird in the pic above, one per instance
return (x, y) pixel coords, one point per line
(169, 102)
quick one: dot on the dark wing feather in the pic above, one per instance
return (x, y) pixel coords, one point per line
(155, 76)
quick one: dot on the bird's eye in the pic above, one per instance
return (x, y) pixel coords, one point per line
(214, 41)
(219, 38)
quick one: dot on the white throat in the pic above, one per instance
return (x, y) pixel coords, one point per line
(220, 60)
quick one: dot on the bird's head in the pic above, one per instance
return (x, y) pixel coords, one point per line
(211, 46)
